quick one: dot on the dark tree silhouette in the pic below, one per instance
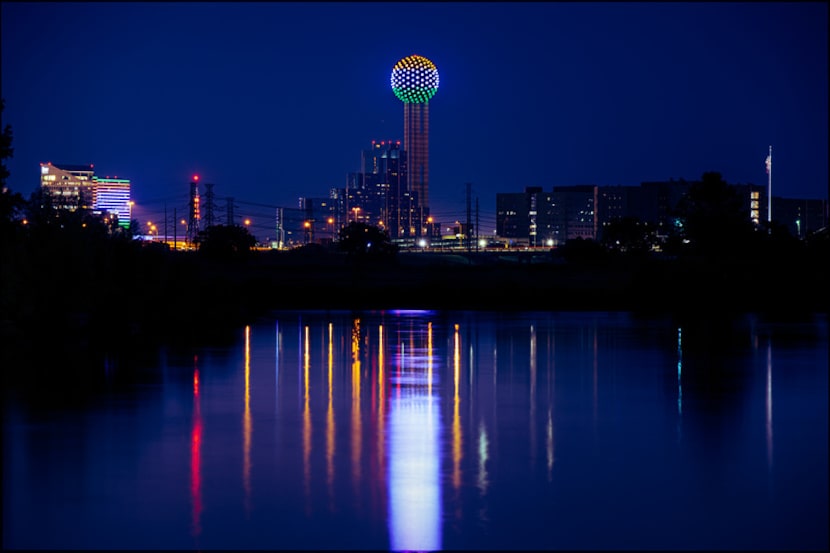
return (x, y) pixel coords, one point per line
(361, 241)
(714, 220)
(225, 242)
(583, 251)
(12, 205)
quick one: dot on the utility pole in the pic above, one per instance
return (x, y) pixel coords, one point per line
(165, 222)
(467, 231)
(230, 212)
(280, 233)
(175, 229)
(477, 237)
(769, 185)
(347, 197)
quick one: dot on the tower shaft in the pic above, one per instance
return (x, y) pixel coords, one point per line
(416, 144)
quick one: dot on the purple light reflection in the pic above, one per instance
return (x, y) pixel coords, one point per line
(413, 450)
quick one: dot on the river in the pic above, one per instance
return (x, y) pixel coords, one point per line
(422, 430)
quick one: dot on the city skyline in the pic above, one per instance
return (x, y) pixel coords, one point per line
(532, 94)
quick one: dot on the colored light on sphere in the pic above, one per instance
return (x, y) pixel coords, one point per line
(414, 80)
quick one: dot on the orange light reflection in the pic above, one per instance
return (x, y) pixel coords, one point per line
(356, 422)
(246, 424)
(330, 427)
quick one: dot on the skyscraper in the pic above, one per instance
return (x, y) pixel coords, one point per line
(113, 196)
(414, 82)
(384, 177)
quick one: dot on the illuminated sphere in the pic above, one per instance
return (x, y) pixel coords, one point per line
(414, 80)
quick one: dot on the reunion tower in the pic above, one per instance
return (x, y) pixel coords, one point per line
(414, 82)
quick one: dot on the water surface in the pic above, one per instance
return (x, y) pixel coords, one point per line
(412, 430)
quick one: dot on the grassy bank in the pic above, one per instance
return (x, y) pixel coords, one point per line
(157, 292)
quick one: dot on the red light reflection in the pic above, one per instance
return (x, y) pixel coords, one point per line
(196, 457)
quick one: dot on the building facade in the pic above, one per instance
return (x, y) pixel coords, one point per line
(112, 196)
(68, 186)
(575, 212)
(537, 218)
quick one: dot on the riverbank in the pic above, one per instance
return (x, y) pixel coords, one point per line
(183, 294)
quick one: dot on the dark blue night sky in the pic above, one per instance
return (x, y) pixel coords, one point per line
(272, 101)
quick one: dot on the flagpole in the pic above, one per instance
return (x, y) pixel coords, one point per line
(769, 186)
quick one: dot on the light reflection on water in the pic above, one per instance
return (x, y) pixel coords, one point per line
(414, 430)
(413, 450)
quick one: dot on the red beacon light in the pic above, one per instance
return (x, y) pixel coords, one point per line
(195, 178)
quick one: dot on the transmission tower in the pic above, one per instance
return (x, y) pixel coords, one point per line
(468, 235)
(193, 209)
(477, 225)
(210, 205)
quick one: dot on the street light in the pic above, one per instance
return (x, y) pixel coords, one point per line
(184, 224)
(307, 227)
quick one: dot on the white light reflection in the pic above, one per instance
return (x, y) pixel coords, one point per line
(483, 456)
(306, 422)
(413, 450)
(679, 371)
(532, 399)
(277, 348)
(549, 440)
(549, 443)
(679, 382)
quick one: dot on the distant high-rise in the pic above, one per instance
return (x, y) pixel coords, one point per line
(414, 82)
(383, 170)
(68, 186)
(113, 196)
